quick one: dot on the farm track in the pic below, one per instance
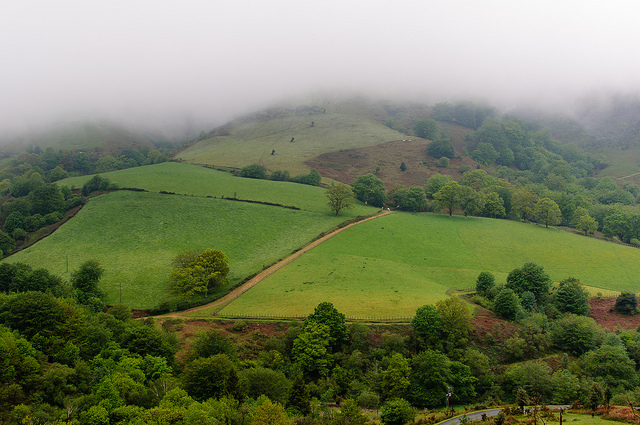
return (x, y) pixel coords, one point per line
(268, 272)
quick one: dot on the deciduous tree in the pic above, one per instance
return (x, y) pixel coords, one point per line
(571, 297)
(196, 272)
(370, 190)
(523, 202)
(340, 197)
(448, 197)
(426, 129)
(548, 212)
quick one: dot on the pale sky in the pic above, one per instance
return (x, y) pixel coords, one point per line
(162, 61)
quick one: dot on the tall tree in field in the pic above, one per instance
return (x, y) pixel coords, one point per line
(198, 271)
(448, 197)
(340, 197)
(548, 212)
(85, 280)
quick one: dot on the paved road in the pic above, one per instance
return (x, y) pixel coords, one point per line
(475, 416)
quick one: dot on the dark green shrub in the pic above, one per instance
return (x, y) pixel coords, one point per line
(627, 303)
(254, 171)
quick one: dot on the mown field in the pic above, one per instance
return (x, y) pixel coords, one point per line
(200, 181)
(136, 235)
(253, 142)
(390, 266)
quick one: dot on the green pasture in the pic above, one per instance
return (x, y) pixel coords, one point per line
(200, 181)
(253, 141)
(136, 235)
(622, 163)
(390, 266)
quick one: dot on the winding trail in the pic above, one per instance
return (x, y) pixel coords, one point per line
(269, 271)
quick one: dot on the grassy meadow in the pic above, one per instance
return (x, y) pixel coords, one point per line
(623, 164)
(136, 235)
(200, 181)
(391, 265)
(252, 142)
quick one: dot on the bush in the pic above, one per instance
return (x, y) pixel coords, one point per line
(239, 326)
(484, 283)
(577, 334)
(441, 147)
(368, 400)
(19, 234)
(53, 217)
(442, 162)
(280, 175)
(254, 171)
(635, 242)
(397, 411)
(507, 304)
(627, 303)
(97, 183)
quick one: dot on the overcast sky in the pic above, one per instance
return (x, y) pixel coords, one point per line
(209, 60)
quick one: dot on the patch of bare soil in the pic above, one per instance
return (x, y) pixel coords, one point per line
(603, 313)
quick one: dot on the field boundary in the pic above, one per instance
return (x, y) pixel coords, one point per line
(222, 302)
(382, 319)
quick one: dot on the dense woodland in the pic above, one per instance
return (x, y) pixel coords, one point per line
(65, 361)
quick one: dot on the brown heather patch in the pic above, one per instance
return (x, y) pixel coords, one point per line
(603, 313)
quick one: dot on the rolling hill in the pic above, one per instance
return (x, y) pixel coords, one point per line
(391, 265)
(136, 235)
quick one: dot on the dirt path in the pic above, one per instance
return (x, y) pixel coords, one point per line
(268, 272)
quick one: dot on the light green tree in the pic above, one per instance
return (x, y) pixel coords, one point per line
(311, 349)
(269, 413)
(493, 205)
(448, 197)
(394, 380)
(548, 212)
(471, 201)
(340, 197)
(587, 224)
(197, 271)
(523, 202)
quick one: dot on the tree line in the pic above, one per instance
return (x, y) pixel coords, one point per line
(66, 359)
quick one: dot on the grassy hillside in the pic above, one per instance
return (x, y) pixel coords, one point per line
(392, 265)
(135, 236)
(200, 181)
(624, 164)
(252, 141)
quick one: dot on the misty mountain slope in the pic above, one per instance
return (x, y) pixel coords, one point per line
(296, 135)
(109, 137)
